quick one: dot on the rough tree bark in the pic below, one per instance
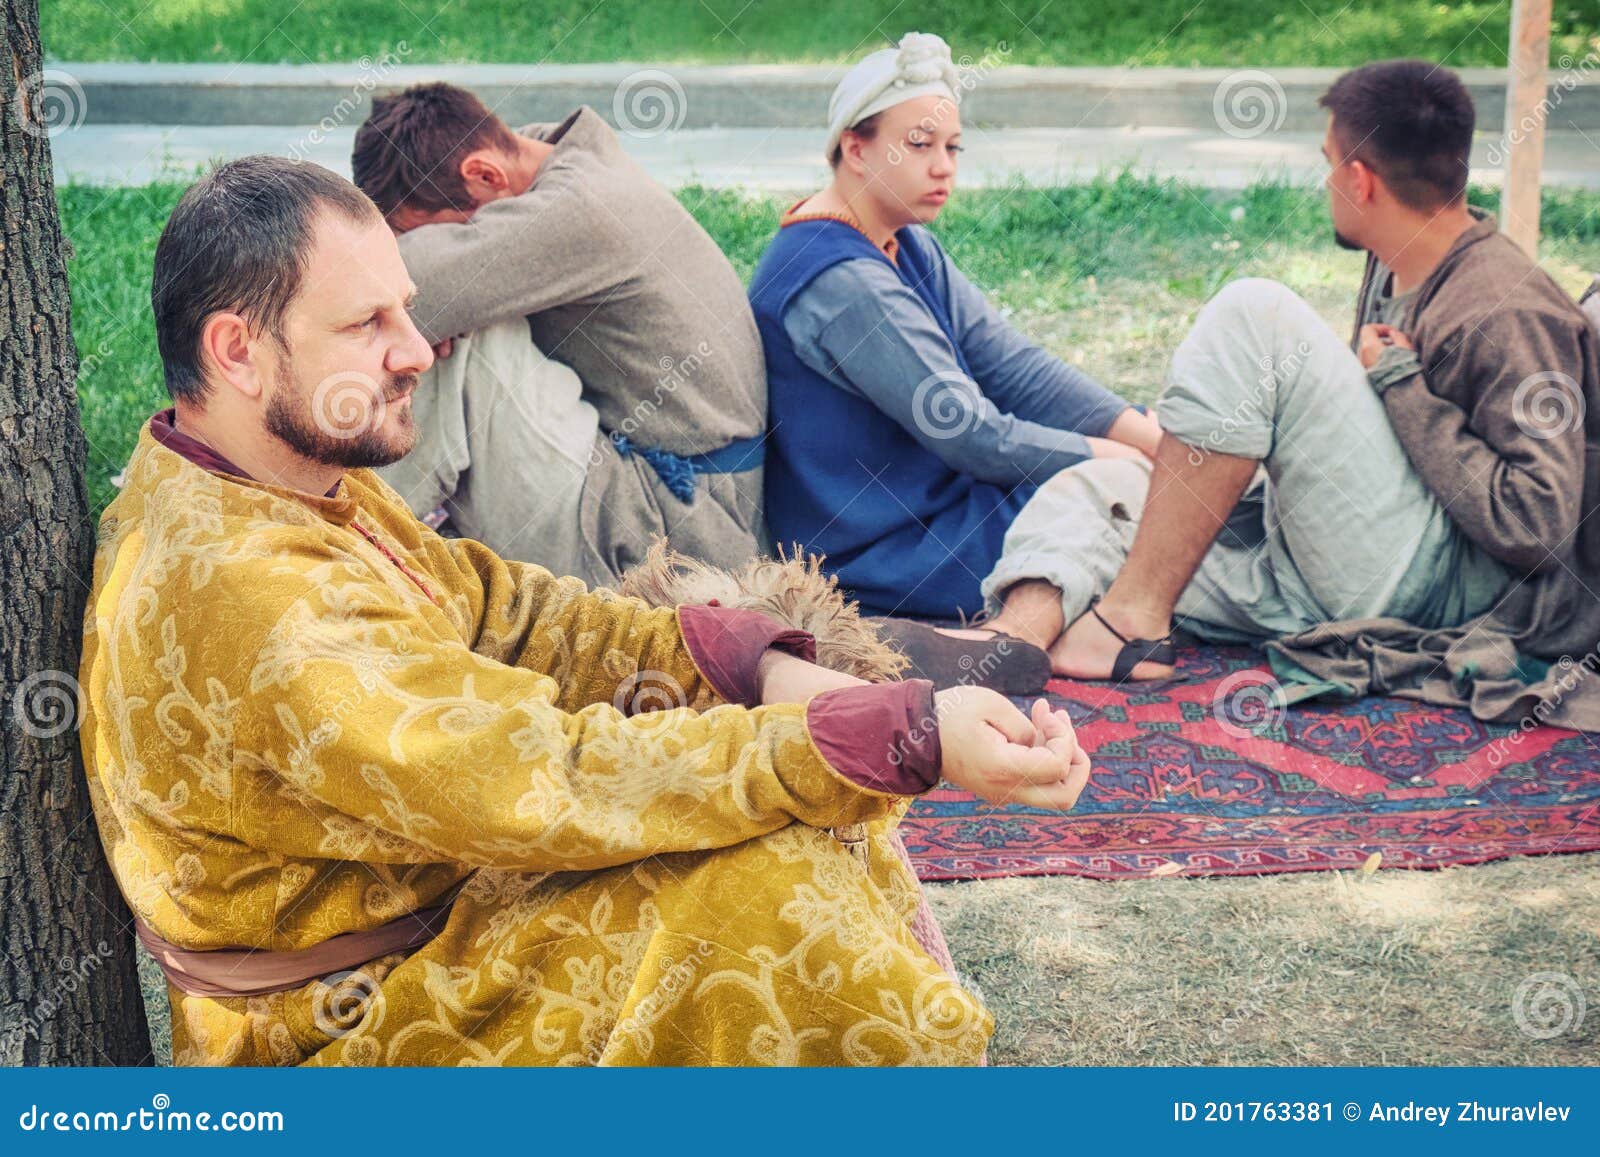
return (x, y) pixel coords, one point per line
(69, 988)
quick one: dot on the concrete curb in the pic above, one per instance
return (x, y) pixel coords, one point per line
(789, 161)
(1240, 102)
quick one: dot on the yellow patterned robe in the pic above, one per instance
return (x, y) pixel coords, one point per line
(288, 737)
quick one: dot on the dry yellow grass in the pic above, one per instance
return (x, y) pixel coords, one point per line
(1323, 968)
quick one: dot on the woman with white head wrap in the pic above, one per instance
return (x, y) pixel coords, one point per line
(910, 422)
(919, 67)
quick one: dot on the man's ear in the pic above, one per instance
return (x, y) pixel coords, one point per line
(1366, 182)
(484, 174)
(230, 351)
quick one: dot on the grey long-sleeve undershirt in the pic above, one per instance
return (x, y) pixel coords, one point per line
(1023, 413)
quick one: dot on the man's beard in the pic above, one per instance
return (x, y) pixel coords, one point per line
(1344, 242)
(337, 441)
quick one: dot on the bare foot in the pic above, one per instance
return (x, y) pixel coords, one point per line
(1087, 650)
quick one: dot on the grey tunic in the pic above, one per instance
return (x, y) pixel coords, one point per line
(620, 283)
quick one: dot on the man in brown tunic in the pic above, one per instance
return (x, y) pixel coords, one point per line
(1411, 515)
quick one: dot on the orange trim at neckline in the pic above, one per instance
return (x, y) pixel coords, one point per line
(891, 250)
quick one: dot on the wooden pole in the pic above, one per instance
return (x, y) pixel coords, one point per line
(1525, 117)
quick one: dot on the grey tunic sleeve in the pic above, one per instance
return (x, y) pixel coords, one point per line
(519, 255)
(1018, 376)
(863, 329)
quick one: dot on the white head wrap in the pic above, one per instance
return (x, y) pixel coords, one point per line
(919, 66)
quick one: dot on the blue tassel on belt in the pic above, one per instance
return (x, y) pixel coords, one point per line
(677, 471)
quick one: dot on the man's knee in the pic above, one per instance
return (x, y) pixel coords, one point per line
(1250, 297)
(1222, 388)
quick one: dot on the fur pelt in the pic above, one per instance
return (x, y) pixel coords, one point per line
(792, 590)
(795, 592)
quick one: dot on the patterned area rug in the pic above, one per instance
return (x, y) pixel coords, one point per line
(1203, 775)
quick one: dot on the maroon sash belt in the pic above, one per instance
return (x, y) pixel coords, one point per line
(221, 972)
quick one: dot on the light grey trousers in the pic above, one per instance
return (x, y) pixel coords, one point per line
(504, 442)
(1337, 524)
(508, 445)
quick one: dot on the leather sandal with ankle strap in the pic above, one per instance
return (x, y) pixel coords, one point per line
(1135, 651)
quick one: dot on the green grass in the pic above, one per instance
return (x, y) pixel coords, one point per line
(1107, 274)
(1144, 32)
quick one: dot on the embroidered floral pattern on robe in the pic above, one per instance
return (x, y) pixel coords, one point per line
(289, 736)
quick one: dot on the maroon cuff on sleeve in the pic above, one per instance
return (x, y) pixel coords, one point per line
(884, 736)
(726, 644)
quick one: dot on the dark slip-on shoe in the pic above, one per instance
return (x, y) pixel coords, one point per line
(1000, 662)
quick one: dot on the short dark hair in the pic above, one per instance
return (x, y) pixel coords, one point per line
(1411, 123)
(865, 129)
(238, 241)
(408, 150)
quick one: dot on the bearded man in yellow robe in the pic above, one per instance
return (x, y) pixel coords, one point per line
(376, 797)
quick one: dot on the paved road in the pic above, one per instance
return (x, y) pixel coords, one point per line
(790, 160)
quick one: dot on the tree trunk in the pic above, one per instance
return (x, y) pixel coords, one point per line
(69, 986)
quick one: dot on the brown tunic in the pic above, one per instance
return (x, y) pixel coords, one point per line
(1502, 420)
